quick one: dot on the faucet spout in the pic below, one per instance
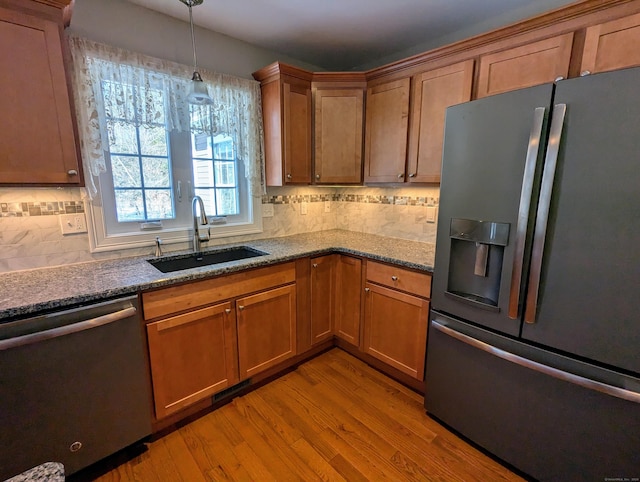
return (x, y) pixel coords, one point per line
(197, 239)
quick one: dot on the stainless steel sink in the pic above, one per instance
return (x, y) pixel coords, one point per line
(187, 261)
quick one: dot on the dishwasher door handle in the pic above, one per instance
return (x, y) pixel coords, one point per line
(67, 329)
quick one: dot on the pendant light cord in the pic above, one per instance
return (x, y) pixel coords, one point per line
(193, 39)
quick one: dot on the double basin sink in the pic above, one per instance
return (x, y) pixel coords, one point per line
(197, 260)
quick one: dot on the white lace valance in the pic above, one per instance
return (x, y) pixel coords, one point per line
(236, 110)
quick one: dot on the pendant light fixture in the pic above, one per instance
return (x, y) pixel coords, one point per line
(198, 93)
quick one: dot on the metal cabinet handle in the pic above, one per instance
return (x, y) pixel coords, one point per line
(526, 192)
(227, 310)
(317, 176)
(241, 307)
(366, 290)
(558, 79)
(401, 176)
(67, 329)
(539, 367)
(72, 172)
(394, 278)
(542, 217)
(584, 73)
(289, 176)
(413, 174)
(315, 265)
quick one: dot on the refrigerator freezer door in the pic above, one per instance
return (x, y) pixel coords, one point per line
(550, 428)
(588, 300)
(487, 145)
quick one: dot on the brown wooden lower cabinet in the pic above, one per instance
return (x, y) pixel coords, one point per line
(266, 329)
(192, 357)
(395, 328)
(348, 298)
(323, 281)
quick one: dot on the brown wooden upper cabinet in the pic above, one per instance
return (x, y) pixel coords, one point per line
(612, 45)
(286, 110)
(432, 92)
(386, 129)
(524, 66)
(338, 129)
(37, 131)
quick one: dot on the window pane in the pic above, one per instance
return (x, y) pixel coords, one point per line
(209, 200)
(159, 204)
(200, 145)
(225, 174)
(203, 173)
(129, 205)
(223, 147)
(153, 140)
(156, 172)
(126, 171)
(122, 138)
(226, 201)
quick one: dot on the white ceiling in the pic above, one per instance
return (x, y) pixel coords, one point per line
(344, 34)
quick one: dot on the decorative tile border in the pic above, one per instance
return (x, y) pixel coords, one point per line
(354, 198)
(29, 209)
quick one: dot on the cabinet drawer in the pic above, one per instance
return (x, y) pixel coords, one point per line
(399, 278)
(188, 296)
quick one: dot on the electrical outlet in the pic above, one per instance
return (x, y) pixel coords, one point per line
(327, 206)
(267, 210)
(73, 223)
(303, 207)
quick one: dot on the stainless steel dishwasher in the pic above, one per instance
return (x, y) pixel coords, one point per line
(73, 386)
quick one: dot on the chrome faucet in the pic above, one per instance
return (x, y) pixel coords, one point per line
(197, 238)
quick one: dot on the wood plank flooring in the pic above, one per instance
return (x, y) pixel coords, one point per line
(334, 419)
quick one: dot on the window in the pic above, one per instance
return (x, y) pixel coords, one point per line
(146, 152)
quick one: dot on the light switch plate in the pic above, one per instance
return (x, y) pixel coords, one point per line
(73, 223)
(267, 210)
(432, 214)
(303, 207)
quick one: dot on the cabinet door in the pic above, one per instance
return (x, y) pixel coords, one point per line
(612, 45)
(192, 357)
(348, 298)
(386, 131)
(338, 136)
(433, 92)
(36, 127)
(395, 329)
(525, 66)
(297, 132)
(322, 297)
(266, 329)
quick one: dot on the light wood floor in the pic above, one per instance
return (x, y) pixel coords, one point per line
(334, 418)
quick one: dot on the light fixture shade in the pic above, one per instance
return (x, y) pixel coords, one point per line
(198, 92)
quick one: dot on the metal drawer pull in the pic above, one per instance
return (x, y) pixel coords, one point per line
(315, 265)
(539, 367)
(72, 172)
(67, 329)
(394, 278)
(227, 310)
(241, 307)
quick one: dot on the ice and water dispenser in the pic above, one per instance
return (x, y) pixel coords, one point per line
(475, 263)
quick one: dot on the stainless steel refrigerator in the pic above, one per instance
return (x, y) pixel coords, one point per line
(533, 349)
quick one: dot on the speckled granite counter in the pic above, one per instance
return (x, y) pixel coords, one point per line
(47, 472)
(29, 292)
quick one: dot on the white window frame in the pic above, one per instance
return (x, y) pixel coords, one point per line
(104, 236)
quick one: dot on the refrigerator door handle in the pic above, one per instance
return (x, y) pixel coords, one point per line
(542, 217)
(524, 208)
(539, 367)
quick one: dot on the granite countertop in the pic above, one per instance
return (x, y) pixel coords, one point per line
(30, 292)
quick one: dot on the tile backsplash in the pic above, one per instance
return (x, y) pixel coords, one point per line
(30, 234)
